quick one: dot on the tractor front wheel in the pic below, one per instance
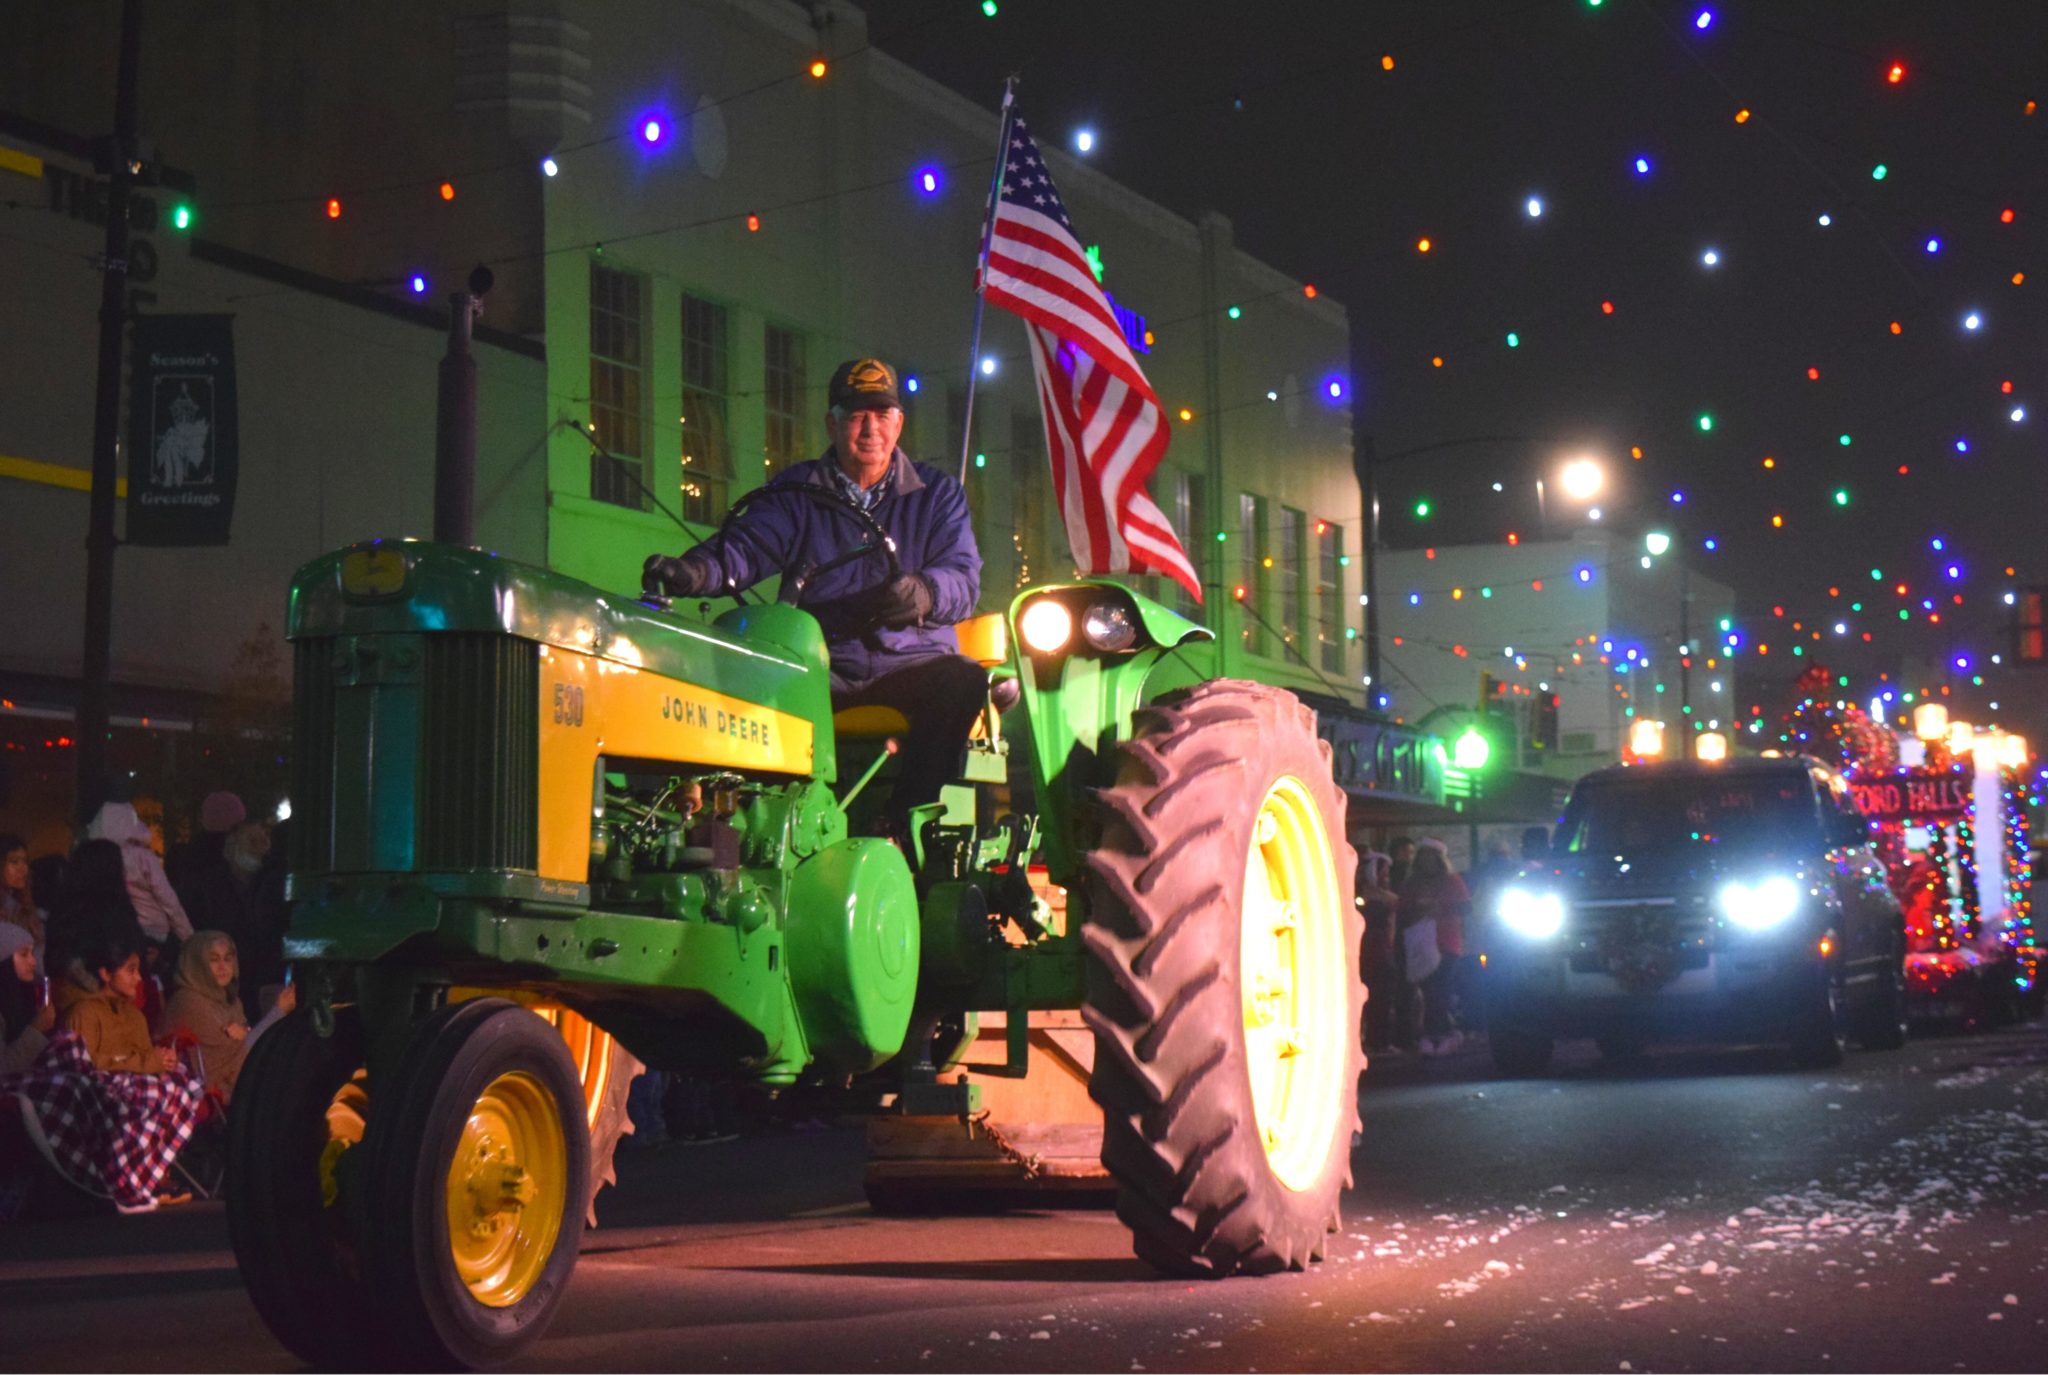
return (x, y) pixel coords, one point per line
(479, 1157)
(292, 1168)
(1222, 984)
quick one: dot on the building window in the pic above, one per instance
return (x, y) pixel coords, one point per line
(707, 440)
(617, 393)
(1330, 593)
(1251, 530)
(1292, 578)
(785, 398)
(1033, 542)
(1183, 506)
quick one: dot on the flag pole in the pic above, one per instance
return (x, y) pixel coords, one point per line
(988, 228)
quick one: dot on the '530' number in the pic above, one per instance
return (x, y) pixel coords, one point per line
(568, 704)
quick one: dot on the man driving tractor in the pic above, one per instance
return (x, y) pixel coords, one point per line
(891, 637)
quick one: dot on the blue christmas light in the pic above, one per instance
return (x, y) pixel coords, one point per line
(1938, 544)
(1712, 544)
(928, 180)
(1678, 498)
(1826, 220)
(1084, 140)
(1585, 573)
(418, 284)
(1334, 388)
(1933, 245)
(549, 167)
(1954, 571)
(910, 383)
(1642, 167)
(1973, 320)
(1703, 21)
(1962, 446)
(653, 129)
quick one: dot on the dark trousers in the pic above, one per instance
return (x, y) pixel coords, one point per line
(940, 697)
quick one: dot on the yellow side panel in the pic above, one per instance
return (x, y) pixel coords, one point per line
(591, 706)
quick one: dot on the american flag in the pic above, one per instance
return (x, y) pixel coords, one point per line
(1105, 430)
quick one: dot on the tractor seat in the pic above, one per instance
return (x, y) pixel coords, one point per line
(984, 639)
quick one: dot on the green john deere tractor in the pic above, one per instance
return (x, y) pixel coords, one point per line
(544, 835)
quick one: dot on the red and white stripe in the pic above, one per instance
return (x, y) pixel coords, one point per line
(1104, 427)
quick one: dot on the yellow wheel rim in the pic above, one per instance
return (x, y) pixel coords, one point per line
(1292, 964)
(505, 1191)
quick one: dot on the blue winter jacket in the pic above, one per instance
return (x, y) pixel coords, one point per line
(925, 511)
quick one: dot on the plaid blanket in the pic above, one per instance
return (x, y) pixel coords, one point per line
(114, 1135)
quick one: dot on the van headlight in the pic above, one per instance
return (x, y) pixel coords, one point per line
(1537, 916)
(1760, 906)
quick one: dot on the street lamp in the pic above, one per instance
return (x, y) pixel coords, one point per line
(1582, 479)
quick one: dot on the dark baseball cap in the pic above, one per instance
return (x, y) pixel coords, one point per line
(864, 384)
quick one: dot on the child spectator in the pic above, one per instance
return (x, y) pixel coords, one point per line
(17, 892)
(25, 1026)
(1377, 900)
(205, 1002)
(104, 1106)
(105, 1016)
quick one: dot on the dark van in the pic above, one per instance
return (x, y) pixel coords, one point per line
(1735, 900)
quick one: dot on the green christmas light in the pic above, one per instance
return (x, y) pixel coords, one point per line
(181, 216)
(1234, 313)
(1706, 423)
(1514, 340)
(1841, 496)
(1422, 510)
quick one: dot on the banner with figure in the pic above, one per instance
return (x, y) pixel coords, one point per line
(182, 438)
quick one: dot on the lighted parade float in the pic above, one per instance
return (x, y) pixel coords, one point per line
(1948, 810)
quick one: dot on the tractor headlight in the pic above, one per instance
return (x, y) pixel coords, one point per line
(1108, 626)
(1760, 906)
(1046, 626)
(1537, 916)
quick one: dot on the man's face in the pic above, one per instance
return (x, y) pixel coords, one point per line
(1403, 854)
(865, 440)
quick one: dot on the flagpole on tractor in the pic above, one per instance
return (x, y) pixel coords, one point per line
(988, 228)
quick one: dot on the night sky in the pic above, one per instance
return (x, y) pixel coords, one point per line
(1332, 168)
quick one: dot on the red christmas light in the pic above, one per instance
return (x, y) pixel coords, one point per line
(1896, 74)
(334, 207)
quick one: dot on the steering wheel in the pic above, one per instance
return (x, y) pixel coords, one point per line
(795, 580)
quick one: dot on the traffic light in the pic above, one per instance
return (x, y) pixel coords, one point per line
(1543, 721)
(1492, 695)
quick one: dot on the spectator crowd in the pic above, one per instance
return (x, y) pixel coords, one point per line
(1423, 995)
(134, 980)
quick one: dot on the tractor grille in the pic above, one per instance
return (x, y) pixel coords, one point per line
(311, 845)
(475, 792)
(479, 798)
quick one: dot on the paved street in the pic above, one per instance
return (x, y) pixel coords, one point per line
(1704, 1210)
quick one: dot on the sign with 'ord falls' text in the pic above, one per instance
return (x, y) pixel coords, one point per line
(1913, 795)
(182, 450)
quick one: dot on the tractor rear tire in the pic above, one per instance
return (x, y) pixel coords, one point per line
(479, 1159)
(1222, 983)
(606, 1070)
(298, 1112)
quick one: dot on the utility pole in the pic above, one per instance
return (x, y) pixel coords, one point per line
(96, 673)
(1362, 459)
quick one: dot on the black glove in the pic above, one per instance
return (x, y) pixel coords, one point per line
(683, 577)
(904, 600)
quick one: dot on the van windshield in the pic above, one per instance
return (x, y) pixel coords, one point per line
(1631, 815)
